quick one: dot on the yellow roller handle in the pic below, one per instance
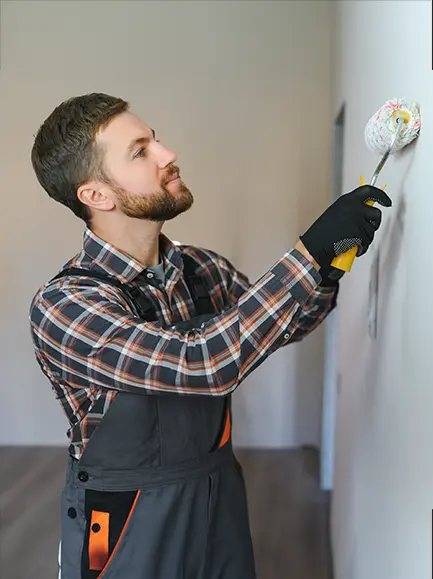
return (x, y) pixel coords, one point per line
(345, 260)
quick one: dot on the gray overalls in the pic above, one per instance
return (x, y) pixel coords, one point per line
(157, 492)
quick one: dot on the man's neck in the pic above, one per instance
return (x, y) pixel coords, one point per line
(136, 237)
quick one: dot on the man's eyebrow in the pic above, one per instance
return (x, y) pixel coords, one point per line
(139, 141)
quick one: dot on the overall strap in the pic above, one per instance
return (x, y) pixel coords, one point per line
(142, 304)
(197, 287)
(136, 300)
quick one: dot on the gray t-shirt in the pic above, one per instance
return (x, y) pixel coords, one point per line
(158, 271)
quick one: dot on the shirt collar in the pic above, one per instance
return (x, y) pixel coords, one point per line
(118, 263)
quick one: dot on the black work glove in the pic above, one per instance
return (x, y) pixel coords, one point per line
(330, 275)
(346, 223)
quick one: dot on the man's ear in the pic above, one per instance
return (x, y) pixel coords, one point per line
(96, 195)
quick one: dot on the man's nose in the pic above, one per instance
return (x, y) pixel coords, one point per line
(166, 156)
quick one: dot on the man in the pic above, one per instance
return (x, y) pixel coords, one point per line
(144, 341)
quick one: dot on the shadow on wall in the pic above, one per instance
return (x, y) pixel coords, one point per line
(390, 254)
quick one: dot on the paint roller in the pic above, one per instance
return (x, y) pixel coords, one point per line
(391, 128)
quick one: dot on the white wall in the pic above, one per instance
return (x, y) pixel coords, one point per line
(229, 86)
(383, 490)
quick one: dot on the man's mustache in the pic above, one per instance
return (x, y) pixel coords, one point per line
(172, 173)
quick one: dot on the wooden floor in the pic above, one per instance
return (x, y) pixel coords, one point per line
(289, 514)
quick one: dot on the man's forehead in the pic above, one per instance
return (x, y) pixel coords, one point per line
(123, 129)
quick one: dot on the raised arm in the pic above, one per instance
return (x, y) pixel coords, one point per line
(87, 336)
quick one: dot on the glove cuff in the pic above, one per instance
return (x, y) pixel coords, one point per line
(330, 276)
(312, 250)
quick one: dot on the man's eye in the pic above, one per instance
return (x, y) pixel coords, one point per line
(141, 152)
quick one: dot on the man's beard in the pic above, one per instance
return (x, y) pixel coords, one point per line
(161, 205)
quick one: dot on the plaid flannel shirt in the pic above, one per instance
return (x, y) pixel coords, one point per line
(90, 344)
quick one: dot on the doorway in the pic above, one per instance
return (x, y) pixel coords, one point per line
(332, 323)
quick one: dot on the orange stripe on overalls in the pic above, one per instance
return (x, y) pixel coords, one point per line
(98, 540)
(227, 431)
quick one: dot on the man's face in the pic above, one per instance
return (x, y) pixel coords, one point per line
(141, 172)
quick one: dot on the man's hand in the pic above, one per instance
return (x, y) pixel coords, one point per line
(347, 223)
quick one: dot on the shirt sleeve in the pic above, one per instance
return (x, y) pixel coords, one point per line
(319, 305)
(88, 337)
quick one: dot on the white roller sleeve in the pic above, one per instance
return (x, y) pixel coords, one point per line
(382, 125)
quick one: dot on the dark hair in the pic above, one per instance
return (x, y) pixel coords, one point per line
(65, 155)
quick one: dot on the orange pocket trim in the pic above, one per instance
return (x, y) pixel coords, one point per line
(121, 535)
(98, 540)
(227, 431)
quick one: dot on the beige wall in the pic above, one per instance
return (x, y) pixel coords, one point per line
(383, 489)
(242, 91)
